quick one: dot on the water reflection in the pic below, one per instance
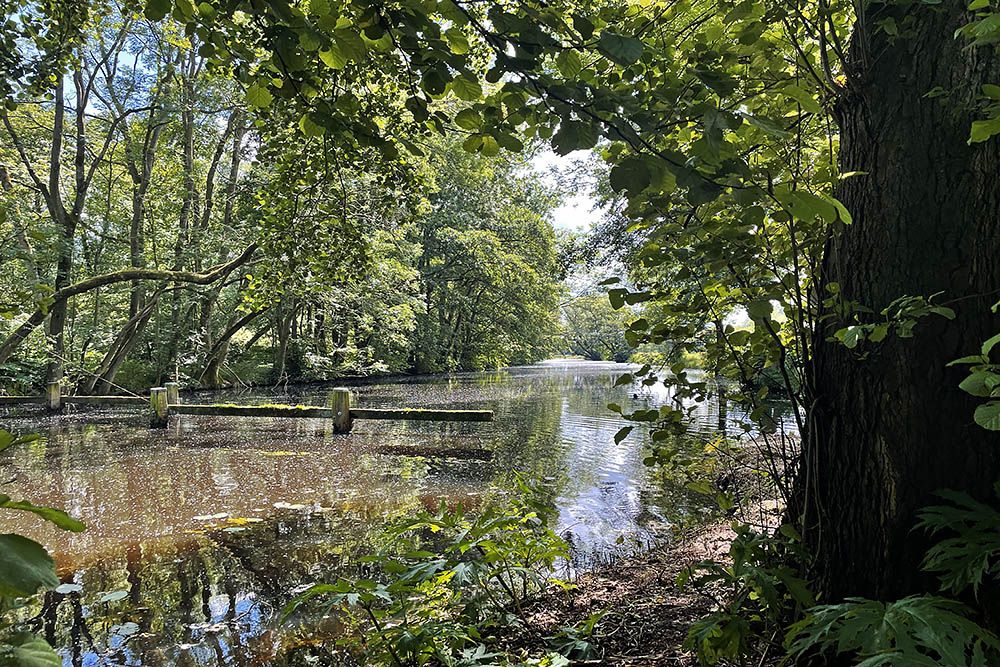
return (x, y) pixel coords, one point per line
(197, 534)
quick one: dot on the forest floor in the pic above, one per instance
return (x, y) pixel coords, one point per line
(646, 614)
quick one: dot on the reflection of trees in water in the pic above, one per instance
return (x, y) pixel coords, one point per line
(221, 593)
(218, 596)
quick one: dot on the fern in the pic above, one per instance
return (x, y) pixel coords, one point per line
(917, 631)
(973, 554)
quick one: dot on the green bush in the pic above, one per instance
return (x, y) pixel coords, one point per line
(448, 586)
(759, 592)
(918, 630)
(924, 629)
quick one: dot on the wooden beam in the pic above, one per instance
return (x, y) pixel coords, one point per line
(53, 397)
(339, 400)
(301, 411)
(158, 411)
(22, 400)
(313, 412)
(424, 415)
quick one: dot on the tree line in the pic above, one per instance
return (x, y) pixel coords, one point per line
(159, 229)
(825, 170)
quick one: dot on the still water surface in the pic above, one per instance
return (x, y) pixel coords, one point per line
(198, 533)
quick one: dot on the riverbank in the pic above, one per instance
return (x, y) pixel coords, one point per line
(644, 615)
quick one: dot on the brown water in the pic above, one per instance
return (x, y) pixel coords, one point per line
(197, 534)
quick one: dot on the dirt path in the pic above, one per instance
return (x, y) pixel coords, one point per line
(646, 615)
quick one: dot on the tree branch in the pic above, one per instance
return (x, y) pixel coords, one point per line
(126, 275)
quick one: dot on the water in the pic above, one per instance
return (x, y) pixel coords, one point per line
(197, 534)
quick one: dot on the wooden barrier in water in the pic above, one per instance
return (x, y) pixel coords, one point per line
(54, 401)
(165, 401)
(338, 409)
(22, 400)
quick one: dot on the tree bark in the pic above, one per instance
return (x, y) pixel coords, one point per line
(216, 356)
(889, 430)
(103, 379)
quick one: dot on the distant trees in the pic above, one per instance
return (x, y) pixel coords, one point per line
(487, 266)
(594, 330)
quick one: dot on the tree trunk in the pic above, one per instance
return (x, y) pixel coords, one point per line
(102, 382)
(216, 357)
(67, 224)
(889, 430)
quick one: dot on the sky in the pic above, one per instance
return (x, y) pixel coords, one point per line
(576, 213)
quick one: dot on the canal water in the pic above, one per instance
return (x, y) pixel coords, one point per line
(199, 534)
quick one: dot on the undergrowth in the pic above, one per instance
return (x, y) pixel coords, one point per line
(450, 587)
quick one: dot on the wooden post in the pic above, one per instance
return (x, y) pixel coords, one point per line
(53, 397)
(339, 400)
(173, 393)
(158, 407)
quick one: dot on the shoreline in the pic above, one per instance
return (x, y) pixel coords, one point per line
(646, 615)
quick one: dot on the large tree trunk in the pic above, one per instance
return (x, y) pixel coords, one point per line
(890, 429)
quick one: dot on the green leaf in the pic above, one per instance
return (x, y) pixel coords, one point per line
(622, 434)
(991, 91)
(25, 566)
(510, 142)
(473, 143)
(351, 44)
(259, 97)
(627, 378)
(769, 126)
(739, 338)
(760, 309)
(156, 10)
(619, 48)
(976, 385)
(803, 97)
(583, 26)
(489, 147)
(989, 344)
(988, 416)
(983, 130)
(569, 63)
(8, 439)
(29, 650)
(58, 517)
(435, 82)
(842, 213)
(617, 297)
(851, 336)
(466, 89)
(206, 10)
(333, 57)
(972, 359)
(574, 135)
(632, 174)
(457, 41)
(310, 128)
(468, 119)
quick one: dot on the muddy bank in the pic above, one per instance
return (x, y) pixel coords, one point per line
(646, 615)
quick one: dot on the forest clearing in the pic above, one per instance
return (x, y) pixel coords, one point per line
(499, 333)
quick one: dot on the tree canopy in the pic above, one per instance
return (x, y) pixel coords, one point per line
(822, 172)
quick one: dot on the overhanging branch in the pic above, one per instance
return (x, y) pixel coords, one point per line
(125, 275)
